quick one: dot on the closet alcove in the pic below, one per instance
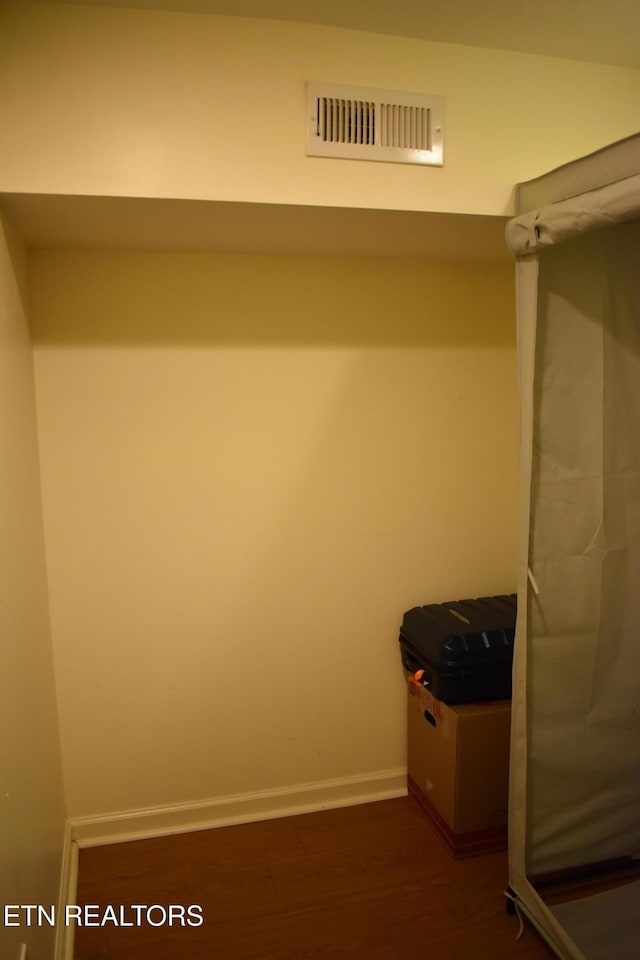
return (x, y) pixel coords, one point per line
(259, 427)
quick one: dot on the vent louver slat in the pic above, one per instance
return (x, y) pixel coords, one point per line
(405, 127)
(367, 124)
(345, 121)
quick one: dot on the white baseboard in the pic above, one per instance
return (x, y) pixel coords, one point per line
(241, 808)
(68, 887)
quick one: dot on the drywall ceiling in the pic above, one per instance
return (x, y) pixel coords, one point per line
(127, 223)
(600, 31)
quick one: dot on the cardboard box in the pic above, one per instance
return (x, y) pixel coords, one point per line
(458, 767)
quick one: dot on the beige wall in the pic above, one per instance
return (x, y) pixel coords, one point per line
(252, 466)
(147, 103)
(31, 805)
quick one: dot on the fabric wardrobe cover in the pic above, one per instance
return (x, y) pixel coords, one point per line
(575, 756)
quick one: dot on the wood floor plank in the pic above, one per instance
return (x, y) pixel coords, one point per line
(373, 882)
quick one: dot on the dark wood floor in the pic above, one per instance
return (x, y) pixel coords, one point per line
(371, 882)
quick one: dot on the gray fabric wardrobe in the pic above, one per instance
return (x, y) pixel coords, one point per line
(575, 753)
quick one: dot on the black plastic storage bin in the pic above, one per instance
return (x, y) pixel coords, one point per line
(464, 647)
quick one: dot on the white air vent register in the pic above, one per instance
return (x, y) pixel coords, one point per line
(361, 123)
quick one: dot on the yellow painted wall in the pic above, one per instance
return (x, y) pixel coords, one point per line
(149, 103)
(252, 466)
(32, 813)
